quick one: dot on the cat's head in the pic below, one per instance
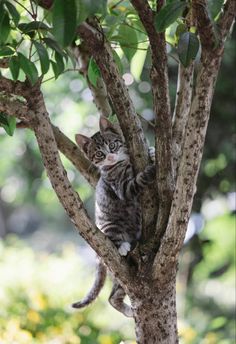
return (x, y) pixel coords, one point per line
(106, 147)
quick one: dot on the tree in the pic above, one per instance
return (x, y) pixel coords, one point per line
(84, 30)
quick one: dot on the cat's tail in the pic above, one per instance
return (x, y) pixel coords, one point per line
(96, 288)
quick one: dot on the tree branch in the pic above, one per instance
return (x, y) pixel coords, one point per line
(227, 18)
(128, 119)
(181, 111)
(123, 105)
(75, 155)
(100, 94)
(67, 196)
(4, 62)
(19, 109)
(10, 87)
(160, 89)
(204, 24)
(14, 107)
(173, 238)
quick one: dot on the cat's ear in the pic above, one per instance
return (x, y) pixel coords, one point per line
(83, 142)
(106, 125)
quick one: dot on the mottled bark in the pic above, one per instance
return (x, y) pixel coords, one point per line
(161, 106)
(189, 165)
(155, 313)
(99, 92)
(181, 111)
(149, 280)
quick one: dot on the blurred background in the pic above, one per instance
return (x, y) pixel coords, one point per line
(45, 265)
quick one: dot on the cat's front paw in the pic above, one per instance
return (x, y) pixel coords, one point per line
(124, 248)
(151, 153)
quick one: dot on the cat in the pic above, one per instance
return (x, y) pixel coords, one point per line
(117, 206)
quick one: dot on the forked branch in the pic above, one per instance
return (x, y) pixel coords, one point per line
(38, 120)
(188, 170)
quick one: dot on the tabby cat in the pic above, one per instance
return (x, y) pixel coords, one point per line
(117, 207)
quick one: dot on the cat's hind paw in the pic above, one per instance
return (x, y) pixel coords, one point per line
(124, 248)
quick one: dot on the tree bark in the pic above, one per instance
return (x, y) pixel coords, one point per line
(155, 314)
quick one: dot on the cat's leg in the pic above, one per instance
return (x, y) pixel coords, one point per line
(116, 299)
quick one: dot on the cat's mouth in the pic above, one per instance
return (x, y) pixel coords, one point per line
(113, 159)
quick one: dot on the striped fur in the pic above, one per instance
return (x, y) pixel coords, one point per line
(117, 208)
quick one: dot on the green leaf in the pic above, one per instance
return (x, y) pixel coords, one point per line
(13, 12)
(168, 15)
(43, 57)
(187, 48)
(51, 43)
(4, 25)
(3, 119)
(214, 7)
(93, 72)
(60, 63)
(55, 69)
(8, 123)
(6, 51)
(64, 21)
(14, 66)
(118, 61)
(34, 25)
(29, 68)
(128, 39)
(181, 28)
(88, 8)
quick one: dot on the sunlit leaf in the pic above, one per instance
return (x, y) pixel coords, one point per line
(6, 51)
(13, 12)
(29, 68)
(14, 66)
(64, 21)
(168, 14)
(128, 39)
(4, 25)
(8, 123)
(60, 63)
(35, 25)
(43, 56)
(118, 61)
(187, 48)
(93, 72)
(51, 43)
(87, 8)
(214, 7)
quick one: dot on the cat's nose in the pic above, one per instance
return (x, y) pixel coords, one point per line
(110, 157)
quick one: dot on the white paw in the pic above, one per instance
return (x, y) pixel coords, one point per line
(151, 152)
(124, 248)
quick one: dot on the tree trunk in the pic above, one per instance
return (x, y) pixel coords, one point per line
(155, 314)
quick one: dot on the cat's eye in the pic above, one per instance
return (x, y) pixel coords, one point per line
(99, 154)
(112, 145)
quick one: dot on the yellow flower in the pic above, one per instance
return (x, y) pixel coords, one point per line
(210, 338)
(33, 316)
(104, 339)
(39, 301)
(188, 334)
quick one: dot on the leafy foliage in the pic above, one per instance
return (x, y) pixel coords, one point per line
(37, 40)
(187, 48)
